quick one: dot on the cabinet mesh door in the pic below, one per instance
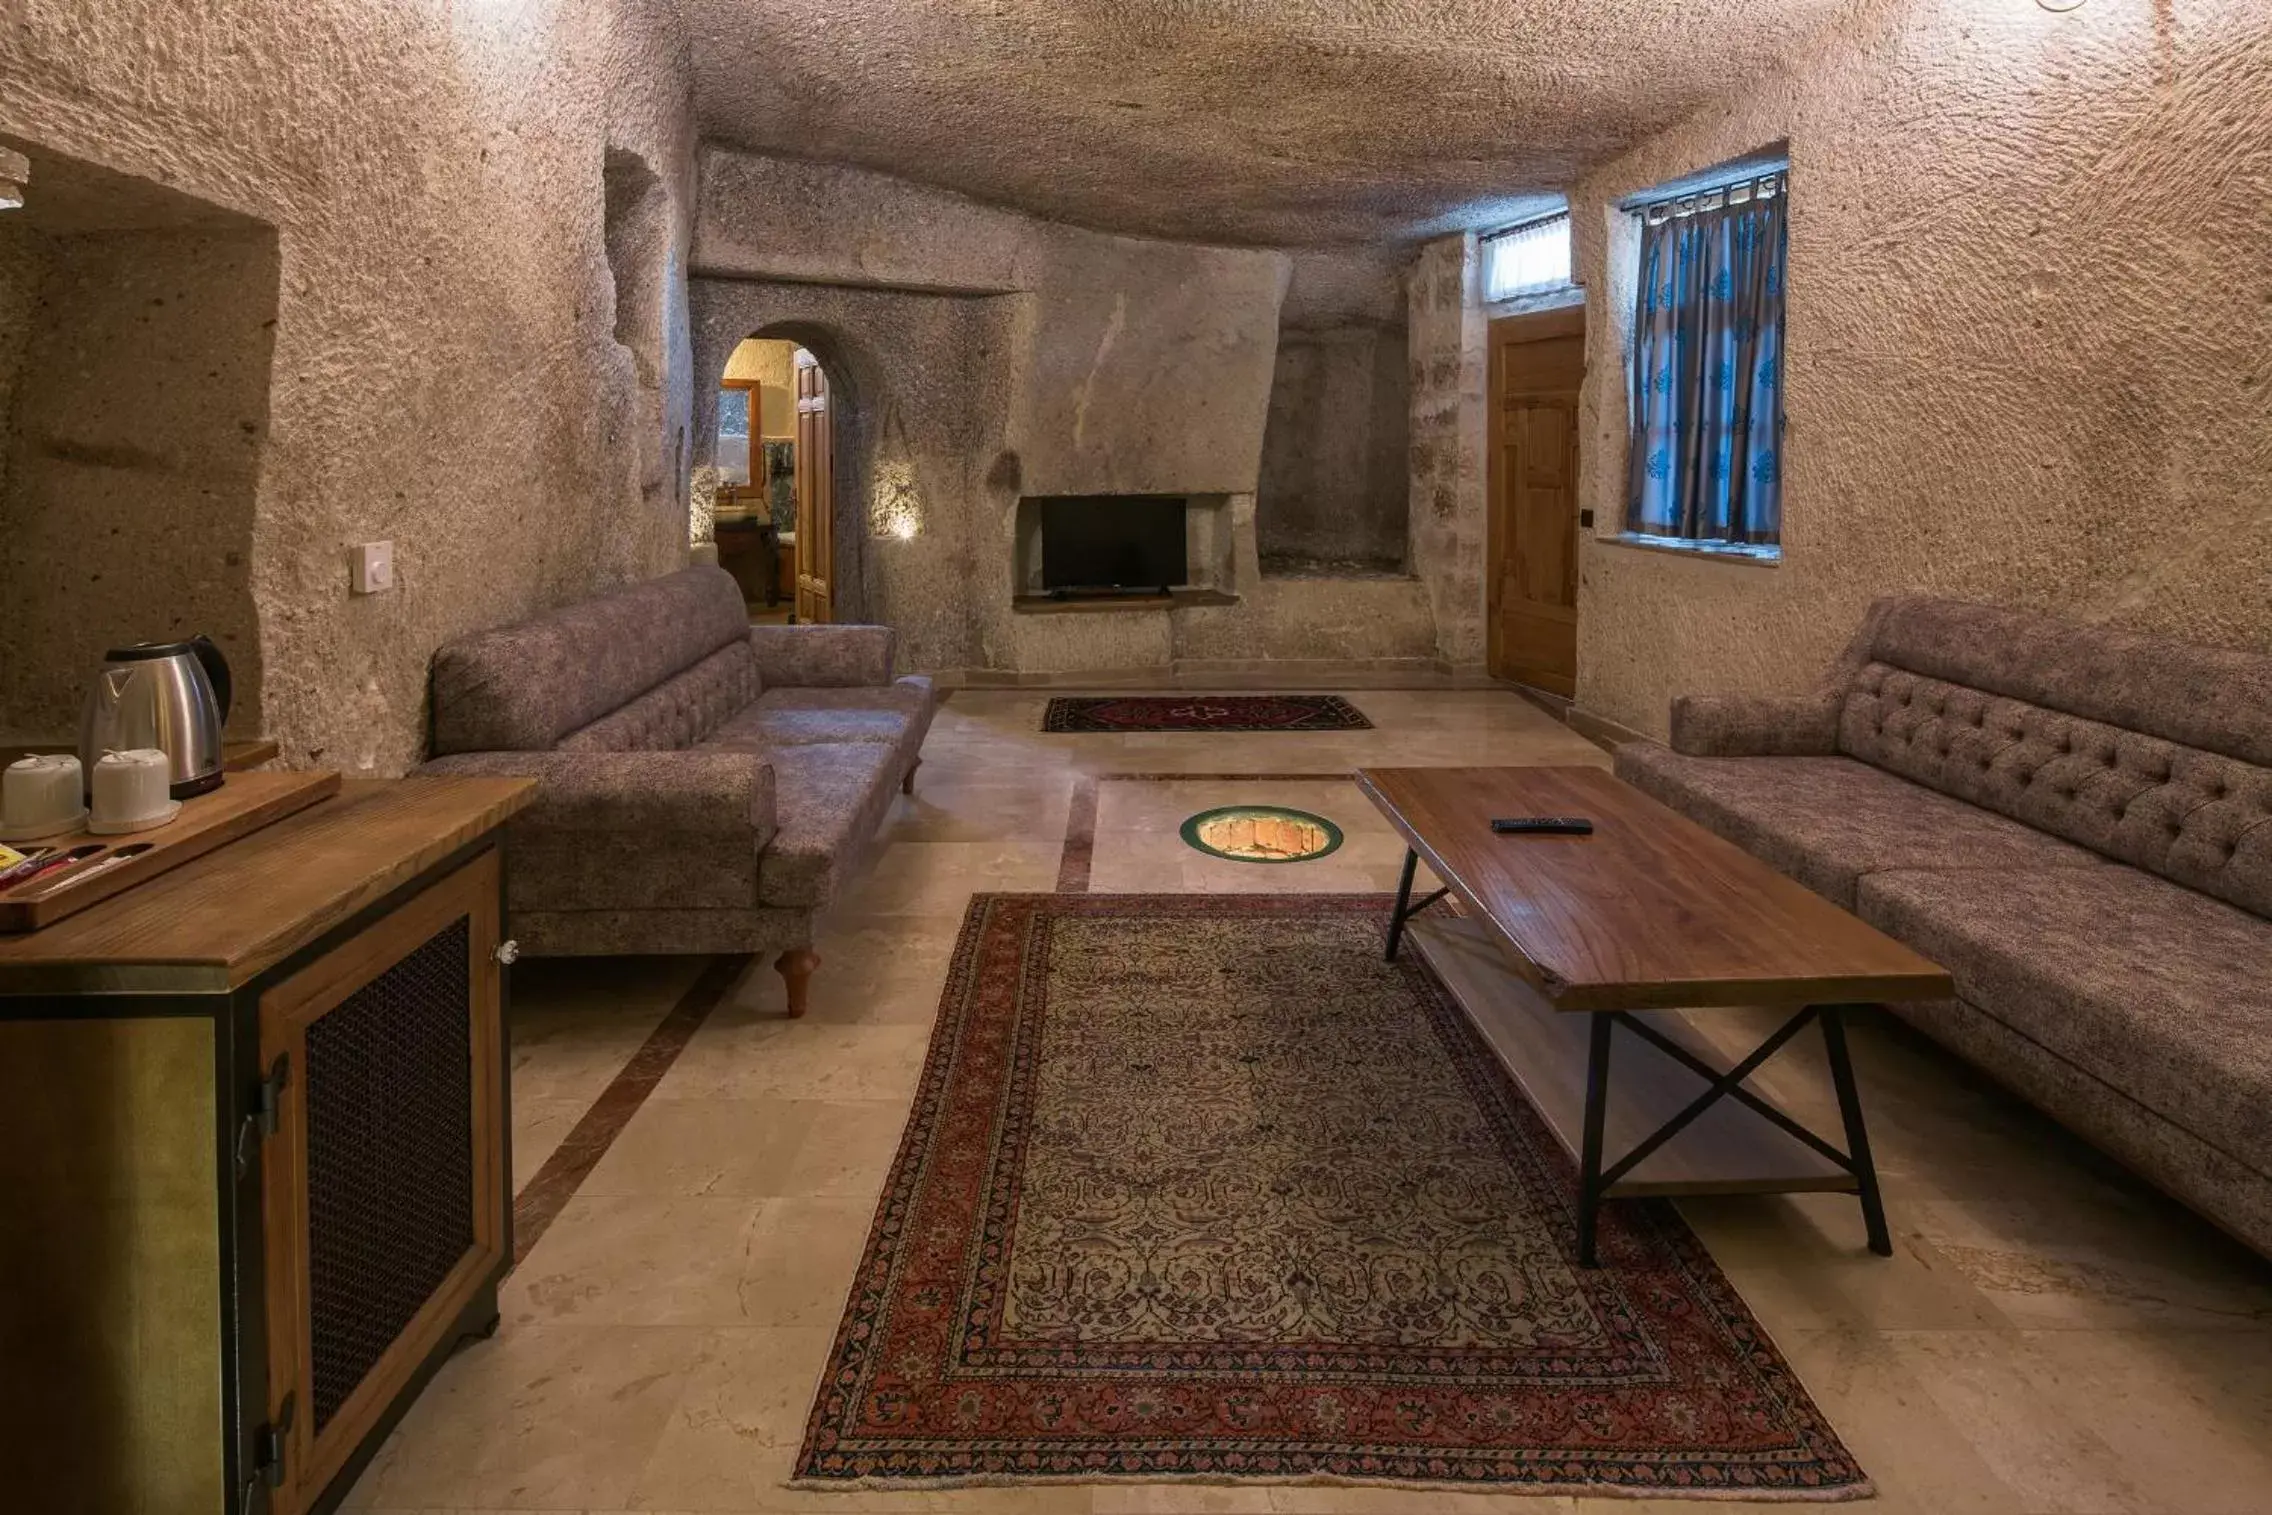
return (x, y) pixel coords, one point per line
(390, 1158)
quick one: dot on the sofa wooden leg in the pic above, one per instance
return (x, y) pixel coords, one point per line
(907, 779)
(796, 969)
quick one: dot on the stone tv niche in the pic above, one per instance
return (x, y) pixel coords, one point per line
(1112, 544)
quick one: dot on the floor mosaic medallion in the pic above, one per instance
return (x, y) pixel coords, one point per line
(1262, 834)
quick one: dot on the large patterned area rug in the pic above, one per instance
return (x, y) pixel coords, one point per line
(1204, 712)
(1197, 1187)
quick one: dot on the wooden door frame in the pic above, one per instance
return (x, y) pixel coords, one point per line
(1534, 326)
(816, 548)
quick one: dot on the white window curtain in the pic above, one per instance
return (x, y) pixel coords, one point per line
(1527, 260)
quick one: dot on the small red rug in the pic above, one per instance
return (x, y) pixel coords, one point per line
(1197, 1187)
(1205, 712)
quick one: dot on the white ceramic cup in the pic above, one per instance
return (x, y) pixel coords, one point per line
(130, 791)
(40, 795)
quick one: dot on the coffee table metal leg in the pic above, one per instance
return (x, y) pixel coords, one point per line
(1589, 1159)
(1403, 903)
(1857, 1137)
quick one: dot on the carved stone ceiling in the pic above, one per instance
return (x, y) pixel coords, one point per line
(1279, 122)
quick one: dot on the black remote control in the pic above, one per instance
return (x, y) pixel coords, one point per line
(1544, 825)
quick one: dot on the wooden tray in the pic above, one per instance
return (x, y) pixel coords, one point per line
(244, 803)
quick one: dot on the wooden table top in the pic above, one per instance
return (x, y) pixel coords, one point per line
(1652, 911)
(219, 921)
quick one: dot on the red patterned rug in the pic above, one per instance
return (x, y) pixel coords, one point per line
(1205, 712)
(1197, 1187)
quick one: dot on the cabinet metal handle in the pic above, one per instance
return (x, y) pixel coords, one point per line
(508, 952)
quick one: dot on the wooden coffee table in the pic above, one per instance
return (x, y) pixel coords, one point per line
(1566, 938)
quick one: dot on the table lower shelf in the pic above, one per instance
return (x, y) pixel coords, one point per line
(1728, 1150)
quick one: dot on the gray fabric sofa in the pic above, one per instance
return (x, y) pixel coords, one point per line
(2077, 823)
(707, 785)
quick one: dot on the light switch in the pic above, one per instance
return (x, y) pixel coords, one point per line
(370, 567)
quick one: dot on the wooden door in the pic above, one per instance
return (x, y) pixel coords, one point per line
(816, 493)
(383, 1178)
(1537, 364)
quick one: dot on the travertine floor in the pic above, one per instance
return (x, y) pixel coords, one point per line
(2051, 1339)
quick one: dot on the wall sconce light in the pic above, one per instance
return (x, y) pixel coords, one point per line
(2060, 5)
(15, 174)
(897, 510)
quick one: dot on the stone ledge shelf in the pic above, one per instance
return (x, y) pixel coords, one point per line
(1076, 604)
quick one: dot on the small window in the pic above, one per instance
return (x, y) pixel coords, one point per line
(1527, 260)
(1706, 466)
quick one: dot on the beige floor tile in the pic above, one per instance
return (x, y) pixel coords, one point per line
(1803, 1262)
(2131, 1260)
(544, 1417)
(2187, 1414)
(573, 1054)
(1179, 1499)
(1986, 1386)
(739, 1055)
(801, 1258)
(752, 1149)
(732, 1436)
(540, 1124)
(644, 1260)
(715, 1148)
(938, 878)
(985, 805)
(1913, 1449)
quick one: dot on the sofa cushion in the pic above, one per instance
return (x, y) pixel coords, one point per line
(2202, 819)
(829, 801)
(1826, 821)
(680, 711)
(523, 687)
(2162, 992)
(797, 716)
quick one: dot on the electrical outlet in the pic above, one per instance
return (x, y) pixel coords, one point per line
(370, 567)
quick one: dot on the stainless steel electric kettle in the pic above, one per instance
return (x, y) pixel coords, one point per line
(169, 695)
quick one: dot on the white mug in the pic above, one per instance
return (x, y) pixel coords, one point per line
(130, 791)
(40, 795)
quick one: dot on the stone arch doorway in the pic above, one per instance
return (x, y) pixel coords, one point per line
(787, 430)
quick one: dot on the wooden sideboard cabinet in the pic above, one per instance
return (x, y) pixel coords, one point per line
(254, 1164)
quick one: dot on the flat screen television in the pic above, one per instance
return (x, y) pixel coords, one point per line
(1112, 542)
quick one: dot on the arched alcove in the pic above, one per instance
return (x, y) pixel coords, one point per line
(852, 383)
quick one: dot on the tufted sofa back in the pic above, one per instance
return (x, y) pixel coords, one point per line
(522, 688)
(2155, 752)
(680, 711)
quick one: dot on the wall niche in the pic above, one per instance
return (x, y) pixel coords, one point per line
(137, 326)
(1334, 487)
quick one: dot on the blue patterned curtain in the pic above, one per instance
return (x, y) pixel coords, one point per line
(1708, 376)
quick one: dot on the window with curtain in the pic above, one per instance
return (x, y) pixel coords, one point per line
(1707, 458)
(1527, 260)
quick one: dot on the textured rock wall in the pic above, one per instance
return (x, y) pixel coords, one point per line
(1334, 487)
(2029, 347)
(24, 260)
(447, 367)
(1448, 359)
(127, 508)
(987, 355)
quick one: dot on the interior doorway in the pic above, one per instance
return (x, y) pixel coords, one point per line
(776, 463)
(1538, 363)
